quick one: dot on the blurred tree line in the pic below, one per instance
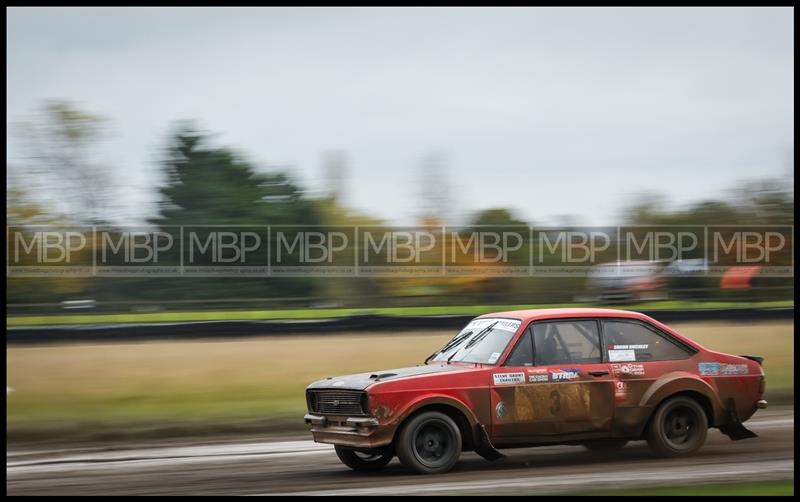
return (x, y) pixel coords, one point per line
(204, 184)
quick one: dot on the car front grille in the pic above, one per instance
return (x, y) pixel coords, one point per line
(336, 402)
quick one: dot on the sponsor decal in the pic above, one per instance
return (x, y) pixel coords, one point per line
(508, 378)
(627, 369)
(733, 369)
(538, 377)
(708, 368)
(508, 325)
(494, 357)
(564, 374)
(500, 409)
(504, 324)
(714, 368)
(620, 390)
(478, 324)
(620, 355)
(629, 347)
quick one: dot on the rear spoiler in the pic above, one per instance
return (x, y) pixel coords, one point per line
(758, 359)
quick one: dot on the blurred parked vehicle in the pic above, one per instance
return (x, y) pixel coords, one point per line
(739, 277)
(627, 280)
(687, 279)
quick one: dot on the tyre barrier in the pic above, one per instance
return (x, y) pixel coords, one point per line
(351, 324)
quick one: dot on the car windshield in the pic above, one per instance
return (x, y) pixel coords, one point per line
(481, 341)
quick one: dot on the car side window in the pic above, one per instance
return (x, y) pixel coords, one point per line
(632, 341)
(522, 355)
(566, 342)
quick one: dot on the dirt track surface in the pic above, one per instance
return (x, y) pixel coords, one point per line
(300, 466)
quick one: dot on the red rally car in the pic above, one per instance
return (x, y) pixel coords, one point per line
(595, 377)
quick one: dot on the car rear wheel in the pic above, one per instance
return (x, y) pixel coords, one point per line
(606, 446)
(368, 460)
(678, 427)
(429, 443)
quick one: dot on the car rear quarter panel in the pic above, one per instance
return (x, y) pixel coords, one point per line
(721, 391)
(742, 390)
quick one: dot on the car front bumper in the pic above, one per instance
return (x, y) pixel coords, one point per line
(353, 432)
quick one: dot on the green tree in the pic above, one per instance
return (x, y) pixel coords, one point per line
(497, 216)
(209, 185)
(206, 185)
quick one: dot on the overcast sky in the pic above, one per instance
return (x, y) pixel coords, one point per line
(546, 111)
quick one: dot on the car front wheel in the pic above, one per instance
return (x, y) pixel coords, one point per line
(371, 460)
(429, 443)
(678, 427)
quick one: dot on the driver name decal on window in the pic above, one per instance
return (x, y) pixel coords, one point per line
(631, 341)
(616, 355)
(508, 378)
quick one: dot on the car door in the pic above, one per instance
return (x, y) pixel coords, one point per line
(555, 381)
(639, 354)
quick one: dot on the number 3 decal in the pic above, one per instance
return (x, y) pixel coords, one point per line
(555, 399)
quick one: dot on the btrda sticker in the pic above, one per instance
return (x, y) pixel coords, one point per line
(561, 375)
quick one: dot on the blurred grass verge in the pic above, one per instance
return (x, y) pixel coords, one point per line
(784, 487)
(98, 392)
(327, 313)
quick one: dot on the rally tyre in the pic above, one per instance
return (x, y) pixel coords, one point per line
(677, 428)
(429, 443)
(366, 461)
(607, 446)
